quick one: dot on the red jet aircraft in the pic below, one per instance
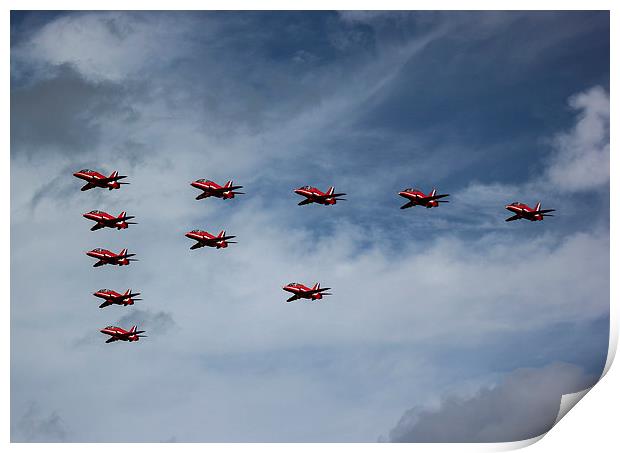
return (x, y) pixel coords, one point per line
(104, 219)
(213, 189)
(417, 198)
(314, 195)
(301, 291)
(95, 179)
(118, 333)
(106, 257)
(523, 211)
(204, 238)
(112, 297)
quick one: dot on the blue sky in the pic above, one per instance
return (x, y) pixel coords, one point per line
(428, 305)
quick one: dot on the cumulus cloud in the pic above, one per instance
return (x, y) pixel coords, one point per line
(522, 405)
(37, 426)
(581, 157)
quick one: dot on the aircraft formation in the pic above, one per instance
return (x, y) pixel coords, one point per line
(94, 179)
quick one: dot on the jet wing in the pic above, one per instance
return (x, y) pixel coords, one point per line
(411, 204)
(543, 211)
(116, 178)
(315, 291)
(110, 340)
(510, 219)
(215, 239)
(306, 201)
(97, 226)
(325, 196)
(292, 298)
(107, 303)
(99, 263)
(225, 189)
(197, 245)
(88, 186)
(434, 197)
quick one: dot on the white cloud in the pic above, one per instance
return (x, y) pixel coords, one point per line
(106, 46)
(581, 157)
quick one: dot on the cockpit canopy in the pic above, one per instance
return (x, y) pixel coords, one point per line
(195, 231)
(306, 187)
(294, 284)
(86, 170)
(111, 327)
(411, 189)
(204, 180)
(104, 290)
(96, 212)
(515, 203)
(98, 250)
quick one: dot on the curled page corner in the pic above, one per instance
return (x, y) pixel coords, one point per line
(568, 401)
(518, 444)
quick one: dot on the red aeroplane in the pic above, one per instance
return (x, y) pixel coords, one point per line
(523, 211)
(301, 291)
(314, 195)
(111, 297)
(205, 238)
(104, 219)
(418, 198)
(213, 189)
(95, 179)
(106, 257)
(118, 333)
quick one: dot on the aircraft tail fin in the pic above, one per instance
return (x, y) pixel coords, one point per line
(330, 191)
(228, 184)
(316, 286)
(222, 234)
(123, 252)
(433, 192)
(537, 208)
(133, 329)
(114, 174)
(128, 292)
(122, 214)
